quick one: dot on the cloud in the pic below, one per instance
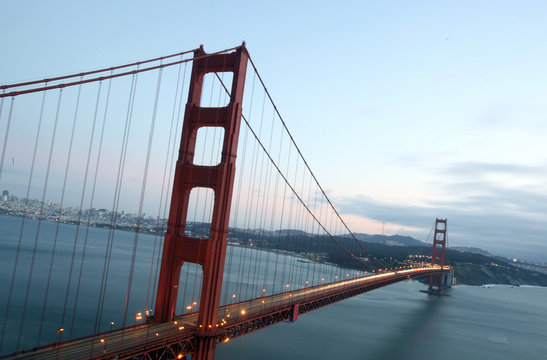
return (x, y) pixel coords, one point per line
(480, 169)
(501, 218)
(487, 188)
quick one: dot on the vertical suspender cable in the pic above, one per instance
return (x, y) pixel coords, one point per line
(57, 225)
(44, 190)
(18, 251)
(272, 214)
(116, 203)
(250, 205)
(84, 188)
(141, 203)
(170, 179)
(108, 248)
(98, 161)
(6, 135)
(74, 247)
(259, 215)
(159, 233)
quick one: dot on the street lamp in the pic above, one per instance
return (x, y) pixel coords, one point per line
(59, 331)
(111, 324)
(138, 318)
(103, 341)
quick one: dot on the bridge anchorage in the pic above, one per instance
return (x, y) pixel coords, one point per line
(317, 261)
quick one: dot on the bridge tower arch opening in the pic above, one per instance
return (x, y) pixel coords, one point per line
(208, 252)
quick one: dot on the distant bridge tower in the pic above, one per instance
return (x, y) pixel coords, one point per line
(437, 258)
(209, 253)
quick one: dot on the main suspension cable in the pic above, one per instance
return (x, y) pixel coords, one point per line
(294, 190)
(308, 167)
(111, 76)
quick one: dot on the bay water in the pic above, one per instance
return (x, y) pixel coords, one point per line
(400, 322)
(396, 322)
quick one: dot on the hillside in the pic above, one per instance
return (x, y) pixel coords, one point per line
(469, 268)
(472, 266)
(392, 240)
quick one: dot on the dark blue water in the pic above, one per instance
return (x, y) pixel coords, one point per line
(397, 322)
(72, 299)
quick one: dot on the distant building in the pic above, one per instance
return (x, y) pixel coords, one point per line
(5, 195)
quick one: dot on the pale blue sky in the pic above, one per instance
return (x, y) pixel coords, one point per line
(406, 110)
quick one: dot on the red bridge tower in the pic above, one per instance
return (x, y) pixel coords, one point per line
(209, 253)
(437, 258)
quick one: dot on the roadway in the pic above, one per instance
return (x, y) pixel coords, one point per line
(132, 341)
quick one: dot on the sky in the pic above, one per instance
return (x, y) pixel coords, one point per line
(405, 110)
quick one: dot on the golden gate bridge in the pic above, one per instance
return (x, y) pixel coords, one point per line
(226, 252)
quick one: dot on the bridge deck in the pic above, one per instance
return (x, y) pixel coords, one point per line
(179, 337)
